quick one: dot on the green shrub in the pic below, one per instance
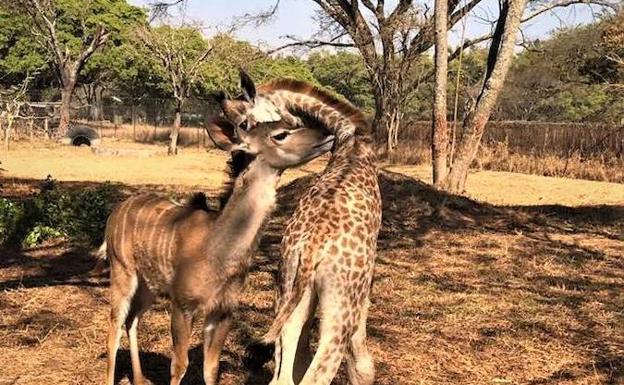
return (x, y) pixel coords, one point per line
(39, 234)
(10, 215)
(79, 215)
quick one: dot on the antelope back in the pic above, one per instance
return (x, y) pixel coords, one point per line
(144, 233)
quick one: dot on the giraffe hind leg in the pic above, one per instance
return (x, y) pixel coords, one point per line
(360, 366)
(335, 329)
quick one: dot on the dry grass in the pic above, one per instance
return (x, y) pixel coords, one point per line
(196, 169)
(465, 292)
(569, 150)
(149, 165)
(498, 157)
(601, 167)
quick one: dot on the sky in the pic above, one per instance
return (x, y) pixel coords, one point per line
(296, 17)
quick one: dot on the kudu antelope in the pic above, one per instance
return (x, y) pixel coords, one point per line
(198, 257)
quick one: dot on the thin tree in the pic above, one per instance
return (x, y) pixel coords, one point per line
(440, 132)
(180, 53)
(11, 102)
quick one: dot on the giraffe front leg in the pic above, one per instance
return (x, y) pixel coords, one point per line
(216, 328)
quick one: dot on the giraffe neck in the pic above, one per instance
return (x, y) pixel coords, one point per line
(354, 152)
(329, 116)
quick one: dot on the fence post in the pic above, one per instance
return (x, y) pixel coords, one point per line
(46, 128)
(31, 123)
(133, 123)
(7, 133)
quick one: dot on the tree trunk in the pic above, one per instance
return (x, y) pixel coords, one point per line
(440, 134)
(499, 61)
(7, 136)
(386, 122)
(7, 133)
(177, 121)
(99, 104)
(65, 113)
(380, 124)
(94, 98)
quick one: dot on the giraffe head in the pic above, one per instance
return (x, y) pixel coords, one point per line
(280, 145)
(251, 108)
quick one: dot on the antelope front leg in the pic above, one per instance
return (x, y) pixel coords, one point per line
(216, 328)
(181, 328)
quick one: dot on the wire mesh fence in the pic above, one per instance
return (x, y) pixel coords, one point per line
(537, 138)
(150, 120)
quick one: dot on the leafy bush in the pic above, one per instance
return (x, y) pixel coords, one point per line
(78, 215)
(10, 215)
(39, 234)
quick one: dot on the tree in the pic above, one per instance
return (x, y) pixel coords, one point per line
(613, 39)
(499, 60)
(120, 68)
(440, 134)
(221, 72)
(391, 41)
(181, 52)
(19, 53)
(568, 77)
(11, 102)
(70, 32)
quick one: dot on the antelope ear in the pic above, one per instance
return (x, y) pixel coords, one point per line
(248, 86)
(223, 134)
(220, 97)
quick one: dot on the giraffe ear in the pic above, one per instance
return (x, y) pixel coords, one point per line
(248, 86)
(223, 134)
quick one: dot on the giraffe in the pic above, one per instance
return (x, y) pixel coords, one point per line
(329, 245)
(195, 256)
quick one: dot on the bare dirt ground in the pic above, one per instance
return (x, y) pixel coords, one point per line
(523, 286)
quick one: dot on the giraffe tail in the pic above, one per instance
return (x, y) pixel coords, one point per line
(302, 281)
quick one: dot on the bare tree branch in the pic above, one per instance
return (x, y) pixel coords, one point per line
(610, 4)
(313, 43)
(160, 9)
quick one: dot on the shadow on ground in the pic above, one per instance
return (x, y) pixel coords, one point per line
(553, 274)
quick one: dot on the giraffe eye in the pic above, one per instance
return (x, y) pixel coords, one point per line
(243, 125)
